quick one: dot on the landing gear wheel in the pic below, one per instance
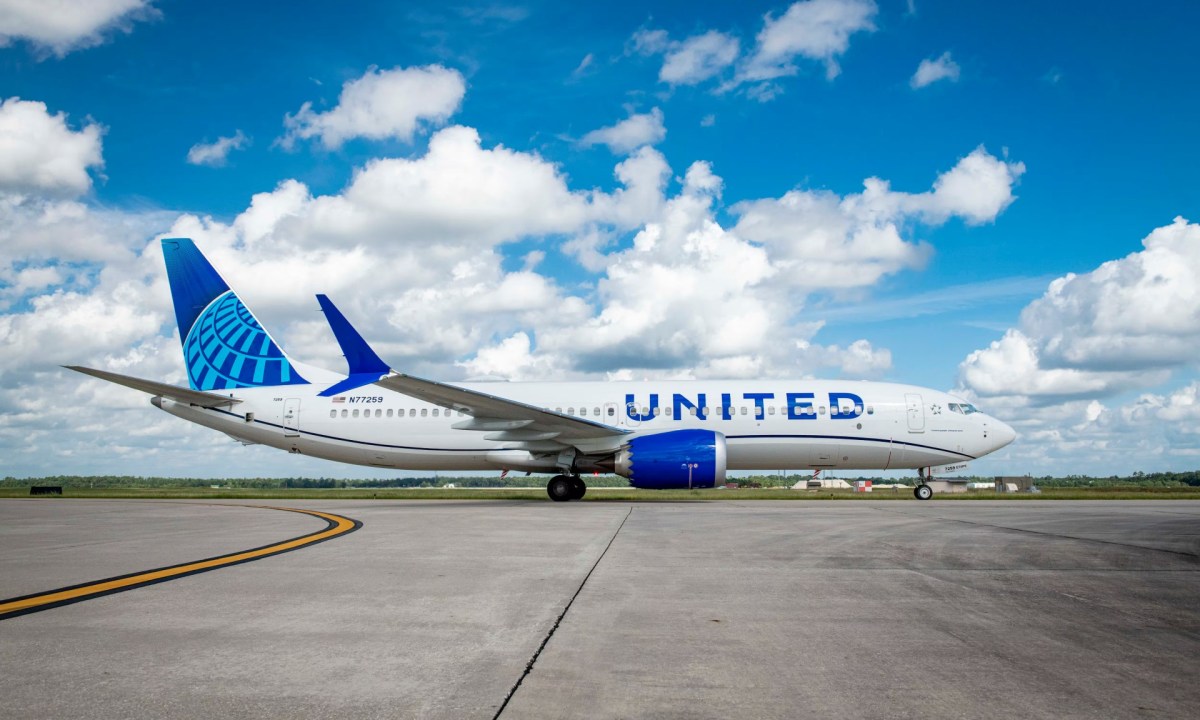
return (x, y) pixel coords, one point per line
(578, 489)
(923, 492)
(560, 488)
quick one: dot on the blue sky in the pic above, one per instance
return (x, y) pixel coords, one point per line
(478, 146)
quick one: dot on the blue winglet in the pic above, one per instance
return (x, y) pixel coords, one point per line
(365, 366)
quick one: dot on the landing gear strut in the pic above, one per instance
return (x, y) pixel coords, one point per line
(922, 491)
(562, 488)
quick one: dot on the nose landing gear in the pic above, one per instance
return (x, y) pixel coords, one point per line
(562, 488)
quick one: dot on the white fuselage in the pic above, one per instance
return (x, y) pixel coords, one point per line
(780, 424)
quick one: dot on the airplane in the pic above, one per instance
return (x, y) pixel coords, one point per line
(658, 434)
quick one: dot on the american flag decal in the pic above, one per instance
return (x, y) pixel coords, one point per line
(340, 399)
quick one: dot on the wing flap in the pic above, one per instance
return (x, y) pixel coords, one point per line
(184, 395)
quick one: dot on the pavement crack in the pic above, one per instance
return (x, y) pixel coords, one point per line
(558, 621)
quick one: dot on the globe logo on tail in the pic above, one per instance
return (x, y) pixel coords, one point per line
(227, 348)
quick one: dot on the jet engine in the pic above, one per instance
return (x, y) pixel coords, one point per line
(675, 459)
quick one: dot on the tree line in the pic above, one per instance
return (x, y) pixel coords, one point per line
(1138, 479)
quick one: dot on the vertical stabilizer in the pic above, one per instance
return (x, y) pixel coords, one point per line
(224, 346)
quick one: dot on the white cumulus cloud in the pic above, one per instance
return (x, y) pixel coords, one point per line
(823, 240)
(61, 26)
(381, 104)
(1124, 325)
(698, 58)
(215, 154)
(813, 29)
(930, 71)
(41, 154)
(633, 132)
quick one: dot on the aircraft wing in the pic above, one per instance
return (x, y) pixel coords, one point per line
(183, 395)
(509, 419)
(504, 420)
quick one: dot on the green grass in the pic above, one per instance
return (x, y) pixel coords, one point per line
(596, 494)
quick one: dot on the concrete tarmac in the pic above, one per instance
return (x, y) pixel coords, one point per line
(855, 609)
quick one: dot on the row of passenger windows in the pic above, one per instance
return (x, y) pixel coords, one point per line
(644, 412)
(412, 412)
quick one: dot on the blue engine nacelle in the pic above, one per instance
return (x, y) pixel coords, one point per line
(675, 459)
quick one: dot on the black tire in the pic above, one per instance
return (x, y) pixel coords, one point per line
(923, 492)
(578, 488)
(560, 488)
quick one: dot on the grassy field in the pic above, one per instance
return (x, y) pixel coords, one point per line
(598, 494)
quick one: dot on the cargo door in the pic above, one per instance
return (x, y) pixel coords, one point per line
(291, 417)
(916, 412)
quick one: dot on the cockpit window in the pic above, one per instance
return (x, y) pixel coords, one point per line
(954, 407)
(964, 408)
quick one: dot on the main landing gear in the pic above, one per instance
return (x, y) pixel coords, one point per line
(562, 488)
(922, 491)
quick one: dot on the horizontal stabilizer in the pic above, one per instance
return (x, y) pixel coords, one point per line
(183, 395)
(353, 382)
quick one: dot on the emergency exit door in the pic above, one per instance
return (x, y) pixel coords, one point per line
(291, 417)
(916, 412)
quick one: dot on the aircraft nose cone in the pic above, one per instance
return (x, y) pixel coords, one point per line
(1003, 433)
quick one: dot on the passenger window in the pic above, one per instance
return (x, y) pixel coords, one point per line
(771, 410)
(558, 410)
(356, 413)
(743, 410)
(692, 412)
(333, 413)
(378, 413)
(822, 409)
(344, 413)
(870, 409)
(704, 412)
(570, 411)
(389, 412)
(424, 412)
(412, 412)
(612, 411)
(758, 412)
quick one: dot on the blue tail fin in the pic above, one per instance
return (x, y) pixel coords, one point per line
(224, 346)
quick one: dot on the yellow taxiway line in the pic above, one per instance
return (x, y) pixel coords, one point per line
(337, 525)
